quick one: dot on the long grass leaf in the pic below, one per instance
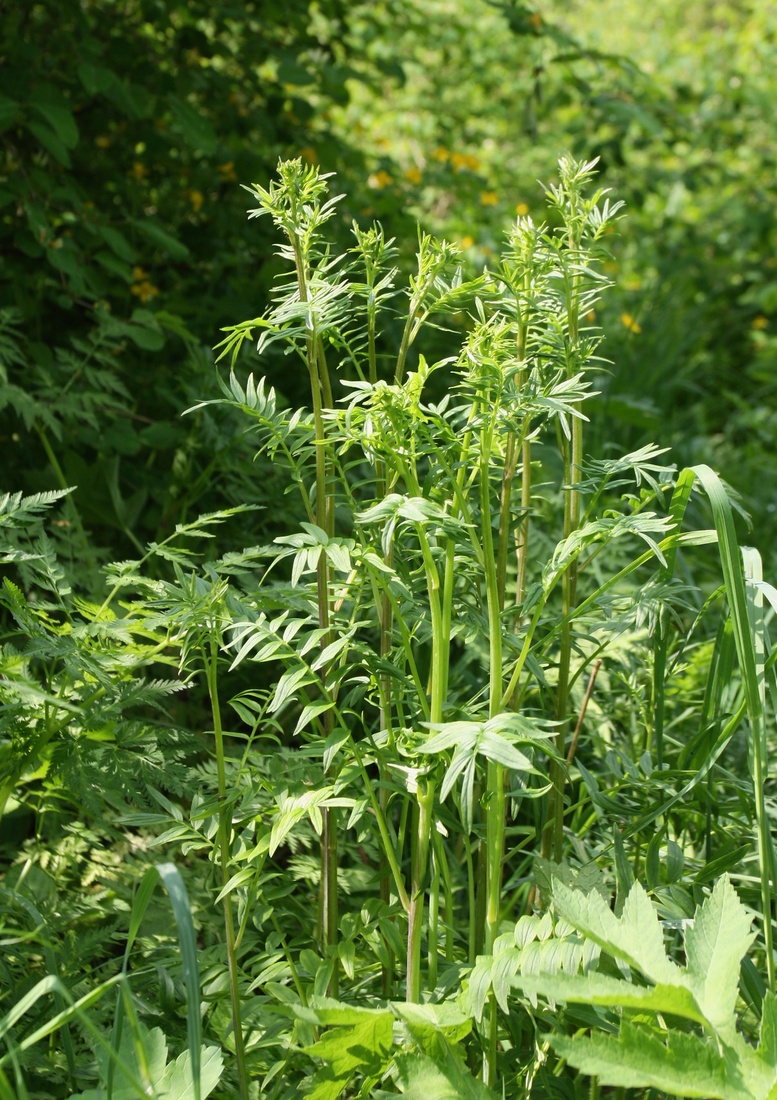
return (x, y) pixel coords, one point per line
(51, 964)
(139, 906)
(179, 900)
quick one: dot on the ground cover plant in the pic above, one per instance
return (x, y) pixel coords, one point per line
(481, 790)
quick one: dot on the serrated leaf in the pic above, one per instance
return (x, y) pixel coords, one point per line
(767, 1045)
(421, 1078)
(715, 943)
(637, 937)
(358, 1040)
(600, 989)
(178, 1080)
(684, 1066)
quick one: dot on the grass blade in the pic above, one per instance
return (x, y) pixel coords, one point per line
(179, 900)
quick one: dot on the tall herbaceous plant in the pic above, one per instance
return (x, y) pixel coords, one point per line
(459, 567)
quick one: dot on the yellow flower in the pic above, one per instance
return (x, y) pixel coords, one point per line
(488, 198)
(522, 209)
(138, 274)
(414, 174)
(145, 290)
(467, 242)
(628, 321)
(441, 154)
(591, 315)
(379, 179)
(102, 142)
(760, 321)
(196, 198)
(227, 172)
(536, 20)
(138, 171)
(309, 155)
(460, 161)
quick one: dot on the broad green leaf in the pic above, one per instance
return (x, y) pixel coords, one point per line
(714, 945)
(95, 78)
(178, 1080)
(358, 1040)
(637, 937)
(51, 108)
(113, 264)
(430, 1023)
(143, 1052)
(159, 237)
(50, 141)
(421, 1078)
(196, 129)
(118, 243)
(600, 989)
(767, 1046)
(684, 1065)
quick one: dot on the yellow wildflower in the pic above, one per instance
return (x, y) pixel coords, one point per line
(414, 174)
(379, 179)
(227, 172)
(760, 322)
(196, 198)
(628, 321)
(460, 161)
(102, 142)
(488, 198)
(145, 290)
(138, 171)
(536, 20)
(522, 209)
(467, 242)
(441, 154)
(309, 155)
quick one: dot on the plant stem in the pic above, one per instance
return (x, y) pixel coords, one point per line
(495, 782)
(210, 660)
(422, 821)
(422, 811)
(321, 394)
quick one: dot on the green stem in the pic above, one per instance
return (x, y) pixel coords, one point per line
(495, 815)
(321, 395)
(422, 820)
(434, 919)
(422, 811)
(210, 661)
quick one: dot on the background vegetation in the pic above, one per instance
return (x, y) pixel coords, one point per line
(126, 131)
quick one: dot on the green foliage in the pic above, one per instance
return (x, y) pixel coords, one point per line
(648, 1050)
(119, 168)
(397, 721)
